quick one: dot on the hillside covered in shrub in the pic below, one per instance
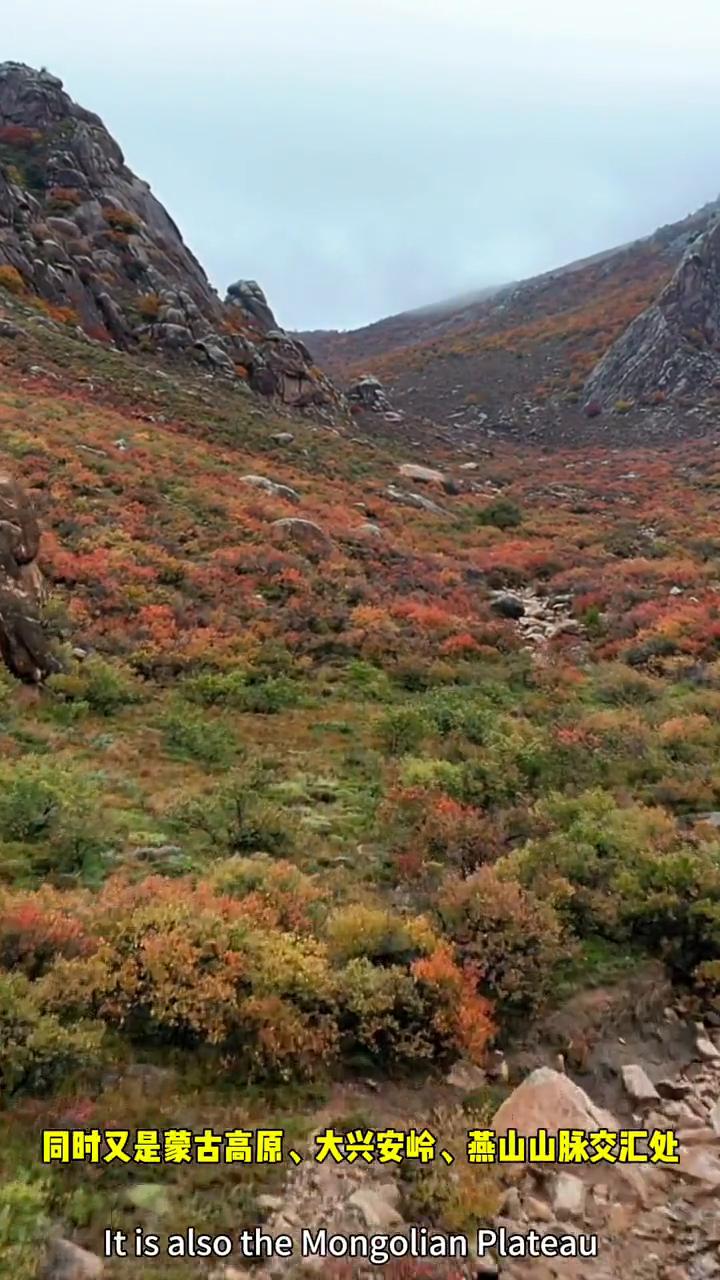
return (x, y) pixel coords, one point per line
(310, 797)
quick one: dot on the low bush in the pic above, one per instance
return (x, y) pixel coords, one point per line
(193, 967)
(502, 513)
(402, 730)
(513, 938)
(11, 280)
(97, 684)
(188, 735)
(121, 220)
(36, 1051)
(24, 1226)
(37, 929)
(626, 873)
(52, 814)
(238, 819)
(378, 934)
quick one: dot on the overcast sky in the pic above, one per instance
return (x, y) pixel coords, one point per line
(359, 157)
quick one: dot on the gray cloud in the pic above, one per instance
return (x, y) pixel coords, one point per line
(360, 157)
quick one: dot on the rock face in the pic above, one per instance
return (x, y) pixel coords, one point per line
(672, 347)
(23, 644)
(81, 231)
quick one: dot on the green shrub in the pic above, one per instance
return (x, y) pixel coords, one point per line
(626, 874)
(52, 812)
(620, 686)
(104, 688)
(269, 696)
(381, 1014)
(24, 1226)
(216, 688)
(451, 713)
(242, 690)
(377, 934)
(189, 735)
(368, 680)
(433, 775)
(402, 1017)
(296, 899)
(36, 1051)
(238, 819)
(402, 730)
(503, 513)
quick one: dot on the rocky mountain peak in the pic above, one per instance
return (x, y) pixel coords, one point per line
(86, 238)
(673, 347)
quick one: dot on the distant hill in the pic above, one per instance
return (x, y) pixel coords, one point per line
(527, 346)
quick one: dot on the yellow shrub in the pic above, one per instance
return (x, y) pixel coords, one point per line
(360, 930)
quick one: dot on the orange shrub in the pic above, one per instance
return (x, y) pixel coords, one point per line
(121, 219)
(35, 930)
(462, 1016)
(65, 197)
(11, 280)
(513, 937)
(148, 304)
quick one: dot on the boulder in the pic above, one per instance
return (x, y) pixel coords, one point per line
(307, 536)
(369, 393)
(466, 1076)
(508, 607)
(23, 644)
(281, 366)
(215, 355)
(704, 1046)
(272, 487)
(638, 1085)
(408, 499)
(378, 1207)
(248, 295)
(19, 528)
(568, 1197)
(67, 1261)
(699, 1164)
(546, 1099)
(424, 475)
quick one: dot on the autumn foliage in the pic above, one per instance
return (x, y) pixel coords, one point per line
(280, 826)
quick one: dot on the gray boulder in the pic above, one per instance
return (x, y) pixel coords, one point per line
(248, 295)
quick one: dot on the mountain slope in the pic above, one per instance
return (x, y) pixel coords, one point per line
(524, 352)
(88, 238)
